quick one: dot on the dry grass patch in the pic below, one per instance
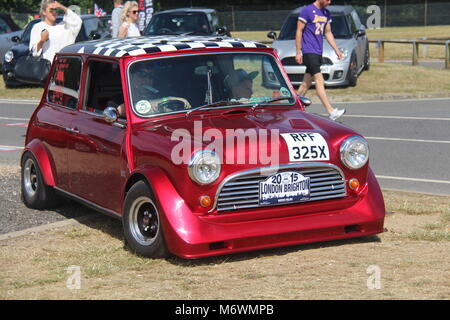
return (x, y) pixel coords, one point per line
(35, 267)
(29, 93)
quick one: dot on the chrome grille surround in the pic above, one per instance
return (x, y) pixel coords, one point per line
(241, 190)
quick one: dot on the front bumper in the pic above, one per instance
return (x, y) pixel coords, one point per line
(334, 75)
(192, 236)
(8, 74)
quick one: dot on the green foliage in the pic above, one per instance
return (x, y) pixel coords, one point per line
(32, 6)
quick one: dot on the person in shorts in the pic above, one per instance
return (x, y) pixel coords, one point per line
(314, 23)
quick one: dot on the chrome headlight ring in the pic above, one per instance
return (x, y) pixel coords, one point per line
(204, 167)
(354, 152)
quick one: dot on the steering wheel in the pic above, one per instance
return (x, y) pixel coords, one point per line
(170, 104)
(164, 31)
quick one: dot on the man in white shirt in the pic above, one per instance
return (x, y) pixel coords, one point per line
(47, 38)
(115, 17)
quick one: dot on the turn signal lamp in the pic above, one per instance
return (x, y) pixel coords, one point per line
(353, 184)
(205, 201)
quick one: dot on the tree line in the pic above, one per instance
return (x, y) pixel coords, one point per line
(32, 6)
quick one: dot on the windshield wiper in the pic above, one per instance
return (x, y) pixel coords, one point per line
(215, 104)
(256, 105)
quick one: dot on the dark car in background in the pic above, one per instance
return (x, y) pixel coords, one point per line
(8, 31)
(186, 21)
(92, 28)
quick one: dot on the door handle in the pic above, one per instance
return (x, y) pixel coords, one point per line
(72, 130)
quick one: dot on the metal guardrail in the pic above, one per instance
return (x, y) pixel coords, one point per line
(415, 48)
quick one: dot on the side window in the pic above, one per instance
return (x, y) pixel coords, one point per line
(91, 25)
(64, 87)
(353, 28)
(356, 19)
(214, 21)
(104, 86)
(4, 28)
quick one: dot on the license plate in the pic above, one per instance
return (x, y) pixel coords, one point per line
(306, 146)
(283, 188)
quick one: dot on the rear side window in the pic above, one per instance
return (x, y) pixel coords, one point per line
(64, 86)
(104, 86)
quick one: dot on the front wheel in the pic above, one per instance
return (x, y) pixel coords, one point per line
(35, 193)
(142, 223)
(352, 73)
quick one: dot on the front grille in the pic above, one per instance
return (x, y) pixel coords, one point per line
(242, 191)
(298, 77)
(290, 61)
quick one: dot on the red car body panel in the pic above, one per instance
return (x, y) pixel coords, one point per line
(101, 162)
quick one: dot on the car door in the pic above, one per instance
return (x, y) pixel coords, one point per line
(97, 159)
(56, 115)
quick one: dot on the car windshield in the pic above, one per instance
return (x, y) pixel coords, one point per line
(180, 84)
(339, 28)
(25, 38)
(186, 23)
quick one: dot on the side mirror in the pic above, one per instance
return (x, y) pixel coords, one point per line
(361, 33)
(222, 31)
(15, 39)
(272, 35)
(95, 35)
(110, 114)
(305, 101)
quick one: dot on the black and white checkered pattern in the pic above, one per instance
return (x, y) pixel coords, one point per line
(143, 45)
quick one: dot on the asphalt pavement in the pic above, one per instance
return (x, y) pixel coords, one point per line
(409, 150)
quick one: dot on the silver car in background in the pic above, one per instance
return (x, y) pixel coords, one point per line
(351, 39)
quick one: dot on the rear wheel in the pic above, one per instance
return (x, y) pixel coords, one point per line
(367, 59)
(35, 193)
(142, 223)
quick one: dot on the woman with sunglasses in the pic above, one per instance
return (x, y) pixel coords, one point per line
(129, 27)
(47, 38)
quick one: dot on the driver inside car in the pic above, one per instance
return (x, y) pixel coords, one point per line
(240, 83)
(142, 87)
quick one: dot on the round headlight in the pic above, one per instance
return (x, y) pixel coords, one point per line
(204, 167)
(344, 52)
(9, 56)
(354, 152)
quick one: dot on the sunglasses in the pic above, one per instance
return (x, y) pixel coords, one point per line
(52, 10)
(134, 11)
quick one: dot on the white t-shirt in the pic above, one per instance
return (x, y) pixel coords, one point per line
(60, 35)
(133, 30)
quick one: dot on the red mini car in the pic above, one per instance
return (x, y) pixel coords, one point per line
(199, 145)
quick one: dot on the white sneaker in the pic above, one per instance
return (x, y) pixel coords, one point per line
(336, 113)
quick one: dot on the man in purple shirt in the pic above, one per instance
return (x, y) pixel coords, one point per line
(313, 23)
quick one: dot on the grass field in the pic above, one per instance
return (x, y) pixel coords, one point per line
(413, 256)
(33, 93)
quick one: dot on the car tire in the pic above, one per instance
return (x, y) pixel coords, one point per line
(35, 193)
(367, 59)
(352, 74)
(142, 223)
